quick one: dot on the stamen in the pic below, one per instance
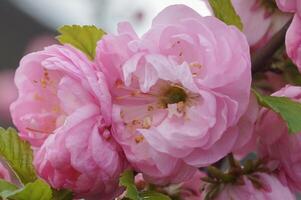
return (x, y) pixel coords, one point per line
(139, 139)
(46, 74)
(118, 83)
(136, 94)
(136, 122)
(43, 83)
(45, 80)
(161, 105)
(147, 122)
(150, 108)
(194, 74)
(56, 109)
(176, 43)
(122, 114)
(197, 65)
(181, 107)
(178, 86)
(125, 88)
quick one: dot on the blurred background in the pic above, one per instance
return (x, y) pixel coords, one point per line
(30, 25)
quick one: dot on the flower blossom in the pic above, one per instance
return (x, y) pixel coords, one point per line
(267, 187)
(64, 111)
(293, 41)
(280, 149)
(191, 189)
(178, 91)
(292, 6)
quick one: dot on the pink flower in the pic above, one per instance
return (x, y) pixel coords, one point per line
(8, 93)
(254, 11)
(4, 173)
(178, 91)
(270, 189)
(140, 182)
(293, 41)
(246, 140)
(289, 5)
(277, 146)
(64, 111)
(191, 189)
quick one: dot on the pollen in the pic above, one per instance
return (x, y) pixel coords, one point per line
(46, 75)
(139, 139)
(176, 43)
(150, 108)
(122, 114)
(181, 107)
(197, 65)
(147, 122)
(118, 83)
(161, 105)
(56, 109)
(135, 93)
(46, 79)
(136, 122)
(194, 74)
(43, 83)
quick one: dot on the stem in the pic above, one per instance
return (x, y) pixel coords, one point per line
(260, 57)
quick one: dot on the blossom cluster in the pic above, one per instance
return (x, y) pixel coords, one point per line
(165, 104)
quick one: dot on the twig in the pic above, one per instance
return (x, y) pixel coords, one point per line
(261, 56)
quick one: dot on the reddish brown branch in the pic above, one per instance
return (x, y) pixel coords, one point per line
(261, 56)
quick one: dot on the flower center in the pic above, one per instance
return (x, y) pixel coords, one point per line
(141, 110)
(173, 95)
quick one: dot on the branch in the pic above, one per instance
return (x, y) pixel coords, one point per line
(260, 57)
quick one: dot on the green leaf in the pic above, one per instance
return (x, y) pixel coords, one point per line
(127, 180)
(152, 195)
(84, 38)
(224, 10)
(6, 187)
(289, 110)
(62, 195)
(18, 155)
(38, 190)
